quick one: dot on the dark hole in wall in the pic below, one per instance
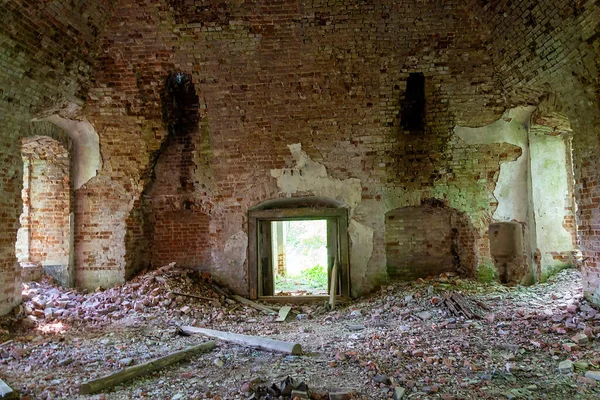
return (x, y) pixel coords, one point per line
(506, 249)
(412, 107)
(180, 106)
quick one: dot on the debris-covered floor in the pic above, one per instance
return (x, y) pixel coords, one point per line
(401, 341)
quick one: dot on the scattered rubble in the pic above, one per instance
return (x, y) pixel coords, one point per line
(403, 342)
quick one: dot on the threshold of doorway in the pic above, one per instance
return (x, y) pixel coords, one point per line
(301, 299)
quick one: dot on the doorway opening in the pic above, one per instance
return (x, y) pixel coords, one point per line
(300, 252)
(44, 239)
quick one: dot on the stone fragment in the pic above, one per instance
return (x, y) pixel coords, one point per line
(356, 327)
(424, 315)
(580, 338)
(581, 365)
(299, 394)
(569, 347)
(218, 362)
(593, 375)
(64, 362)
(565, 367)
(382, 379)
(125, 362)
(399, 392)
(185, 310)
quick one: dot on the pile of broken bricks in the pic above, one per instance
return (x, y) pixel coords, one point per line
(405, 341)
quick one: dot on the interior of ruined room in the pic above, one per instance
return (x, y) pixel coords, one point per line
(394, 199)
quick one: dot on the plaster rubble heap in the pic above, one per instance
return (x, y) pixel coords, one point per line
(200, 108)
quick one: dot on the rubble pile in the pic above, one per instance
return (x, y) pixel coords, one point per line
(164, 289)
(439, 338)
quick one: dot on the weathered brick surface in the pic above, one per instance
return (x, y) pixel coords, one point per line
(542, 47)
(426, 241)
(47, 200)
(46, 53)
(329, 75)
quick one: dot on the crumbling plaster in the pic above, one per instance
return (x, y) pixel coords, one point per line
(86, 148)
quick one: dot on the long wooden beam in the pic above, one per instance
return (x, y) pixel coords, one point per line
(128, 373)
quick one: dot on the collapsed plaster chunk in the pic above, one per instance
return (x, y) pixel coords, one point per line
(86, 148)
(310, 176)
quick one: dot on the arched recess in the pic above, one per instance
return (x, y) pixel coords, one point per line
(552, 189)
(261, 230)
(428, 240)
(507, 251)
(45, 236)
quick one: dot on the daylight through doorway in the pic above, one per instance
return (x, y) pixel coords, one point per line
(299, 252)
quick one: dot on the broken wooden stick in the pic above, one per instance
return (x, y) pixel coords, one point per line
(247, 340)
(333, 284)
(458, 305)
(283, 313)
(253, 304)
(194, 296)
(141, 369)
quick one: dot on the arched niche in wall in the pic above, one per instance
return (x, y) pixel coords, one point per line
(427, 240)
(262, 259)
(506, 249)
(45, 237)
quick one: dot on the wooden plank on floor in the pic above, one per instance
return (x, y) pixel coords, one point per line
(283, 313)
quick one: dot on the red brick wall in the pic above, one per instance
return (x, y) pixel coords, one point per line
(426, 241)
(49, 201)
(549, 46)
(329, 76)
(181, 237)
(46, 52)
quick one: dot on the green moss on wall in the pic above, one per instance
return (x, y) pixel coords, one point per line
(487, 273)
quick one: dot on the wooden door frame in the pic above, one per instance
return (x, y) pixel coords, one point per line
(339, 216)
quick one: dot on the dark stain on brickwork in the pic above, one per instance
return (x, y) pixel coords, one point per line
(203, 12)
(180, 107)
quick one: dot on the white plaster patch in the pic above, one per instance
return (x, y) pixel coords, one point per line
(310, 176)
(511, 190)
(86, 148)
(235, 250)
(361, 249)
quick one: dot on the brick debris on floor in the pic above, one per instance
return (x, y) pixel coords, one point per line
(444, 337)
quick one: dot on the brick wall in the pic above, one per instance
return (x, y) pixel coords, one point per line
(542, 47)
(329, 76)
(46, 52)
(426, 241)
(48, 201)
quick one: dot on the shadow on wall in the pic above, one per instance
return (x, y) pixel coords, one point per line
(428, 240)
(166, 224)
(506, 249)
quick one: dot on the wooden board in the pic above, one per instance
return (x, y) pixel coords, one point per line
(247, 340)
(283, 313)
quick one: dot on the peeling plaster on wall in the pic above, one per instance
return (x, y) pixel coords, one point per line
(86, 148)
(361, 249)
(310, 176)
(234, 253)
(551, 197)
(512, 186)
